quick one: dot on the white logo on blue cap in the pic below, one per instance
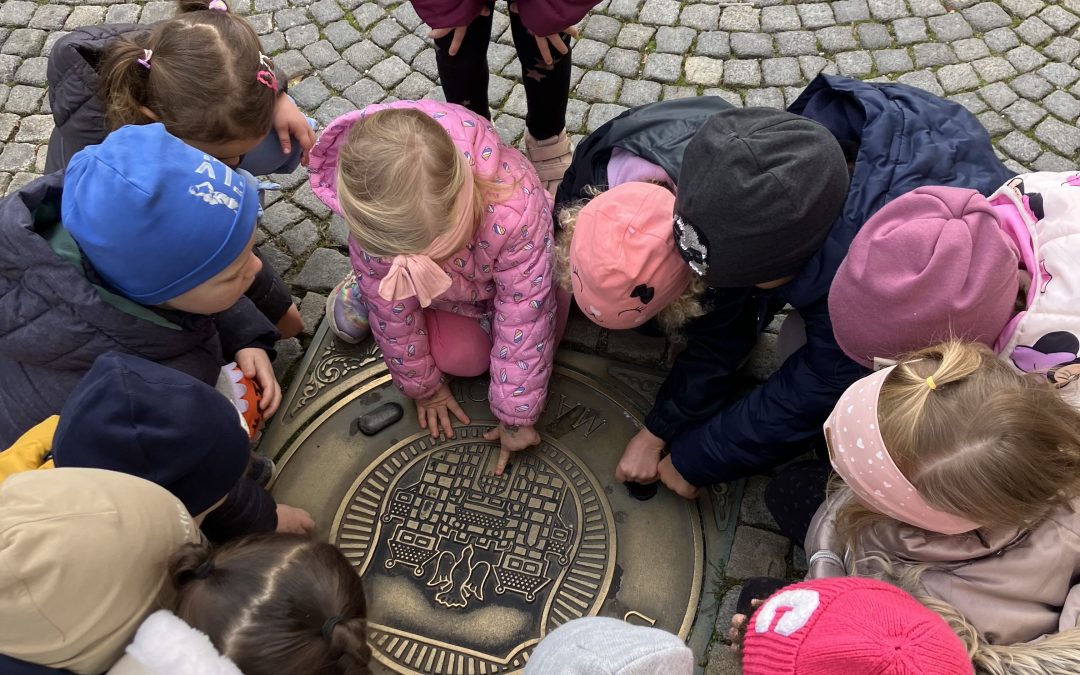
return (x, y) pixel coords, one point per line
(206, 190)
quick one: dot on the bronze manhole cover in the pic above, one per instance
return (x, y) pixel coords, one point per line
(465, 570)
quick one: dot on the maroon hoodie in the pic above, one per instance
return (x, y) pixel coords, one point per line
(541, 17)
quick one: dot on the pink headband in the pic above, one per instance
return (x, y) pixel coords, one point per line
(418, 274)
(859, 455)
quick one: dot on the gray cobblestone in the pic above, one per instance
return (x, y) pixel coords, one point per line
(364, 92)
(17, 13)
(780, 18)
(816, 15)
(923, 80)
(987, 16)
(600, 114)
(363, 55)
(88, 16)
(292, 63)
(1049, 161)
(811, 66)
(704, 70)
(386, 33)
(780, 72)
(50, 17)
(634, 36)
(998, 95)
(970, 49)
(701, 16)
(1025, 58)
(740, 17)
(272, 43)
(301, 238)
(847, 11)
(367, 15)
(321, 54)
(1020, 147)
(994, 69)
(340, 76)
(971, 101)
(24, 42)
(1059, 74)
(389, 71)
(602, 28)
(926, 8)
(662, 67)
(1001, 40)
(1034, 31)
(1024, 114)
(1059, 19)
(714, 43)
(32, 71)
(795, 43)
(994, 123)
(674, 40)
(639, 92)
(887, 10)
(341, 34)
(589, 53)
(837, 39)
(854, 64)
(1062, 105)
(742, 72)
(662, 12)
(873, 36)
(599, 86)
(24, 100)
(328, 11)
(958, 77)
(1062, 49)
(949, 27)
(1031, 86)
(623, 62)
(1023, 8)
(323, 270)
(1064, 138)
(933, 54)
(910, 30)
(732, 97)
(748, 45)
(892, 61)
(765, 98)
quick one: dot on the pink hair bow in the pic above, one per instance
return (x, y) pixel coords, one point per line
(859, 455)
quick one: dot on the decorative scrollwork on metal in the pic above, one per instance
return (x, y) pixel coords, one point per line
(337, 363)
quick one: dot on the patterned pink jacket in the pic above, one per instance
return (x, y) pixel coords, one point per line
(503, 277)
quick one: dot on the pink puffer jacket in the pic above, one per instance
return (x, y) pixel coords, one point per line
(504, 275)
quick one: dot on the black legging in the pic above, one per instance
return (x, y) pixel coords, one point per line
(465, 75)
(794, 495)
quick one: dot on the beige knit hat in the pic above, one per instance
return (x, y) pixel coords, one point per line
(83, 558)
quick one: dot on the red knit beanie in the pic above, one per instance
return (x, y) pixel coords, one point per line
(850, 626)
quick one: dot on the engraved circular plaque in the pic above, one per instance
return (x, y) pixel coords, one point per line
(466, 571)
(431, 522)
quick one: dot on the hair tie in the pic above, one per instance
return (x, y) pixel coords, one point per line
(328, 627)
(266, 76)
(145, 60)
(218, 5)
(203, 570)
(930, 383)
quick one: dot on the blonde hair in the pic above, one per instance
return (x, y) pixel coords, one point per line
(984, 442)
(399, 179)
(671, 318)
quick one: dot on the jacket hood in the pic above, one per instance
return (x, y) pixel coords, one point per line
(140, 418)
(51, 311)
(83, 557)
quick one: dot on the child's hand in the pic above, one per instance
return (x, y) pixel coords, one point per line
(435, 410)
(511, 439)
(255, 365)
(459, 34)
(291, 520)
(290, 123)
(737, 632)
(640, 459)
(674, 480)
(555, 40)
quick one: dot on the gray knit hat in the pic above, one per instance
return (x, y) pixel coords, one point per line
(758, 191)
(601, 646)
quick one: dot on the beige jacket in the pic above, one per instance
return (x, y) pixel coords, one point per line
(1012, 585)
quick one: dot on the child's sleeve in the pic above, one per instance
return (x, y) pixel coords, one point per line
(247, 509)
(448, 13)
(242, 326)
(523, 329)
(400, 330)
(547, 17)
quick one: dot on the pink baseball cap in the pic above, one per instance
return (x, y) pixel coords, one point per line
(623, 262)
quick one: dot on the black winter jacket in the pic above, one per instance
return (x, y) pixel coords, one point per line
(56, 317)
(901, 138)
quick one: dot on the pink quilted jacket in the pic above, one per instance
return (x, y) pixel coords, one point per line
(503, 277)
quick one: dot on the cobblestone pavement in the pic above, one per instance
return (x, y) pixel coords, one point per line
(1013, 63)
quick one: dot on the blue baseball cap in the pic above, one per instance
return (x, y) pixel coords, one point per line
(154, 216)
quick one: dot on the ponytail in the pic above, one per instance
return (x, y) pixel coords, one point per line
(187, 6)
(349, 647)
(191, 563)
(124, 83)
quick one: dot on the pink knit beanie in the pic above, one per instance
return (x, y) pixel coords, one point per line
(930, 265)
(851, 626)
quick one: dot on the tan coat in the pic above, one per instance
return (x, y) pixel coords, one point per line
(1012, 585)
